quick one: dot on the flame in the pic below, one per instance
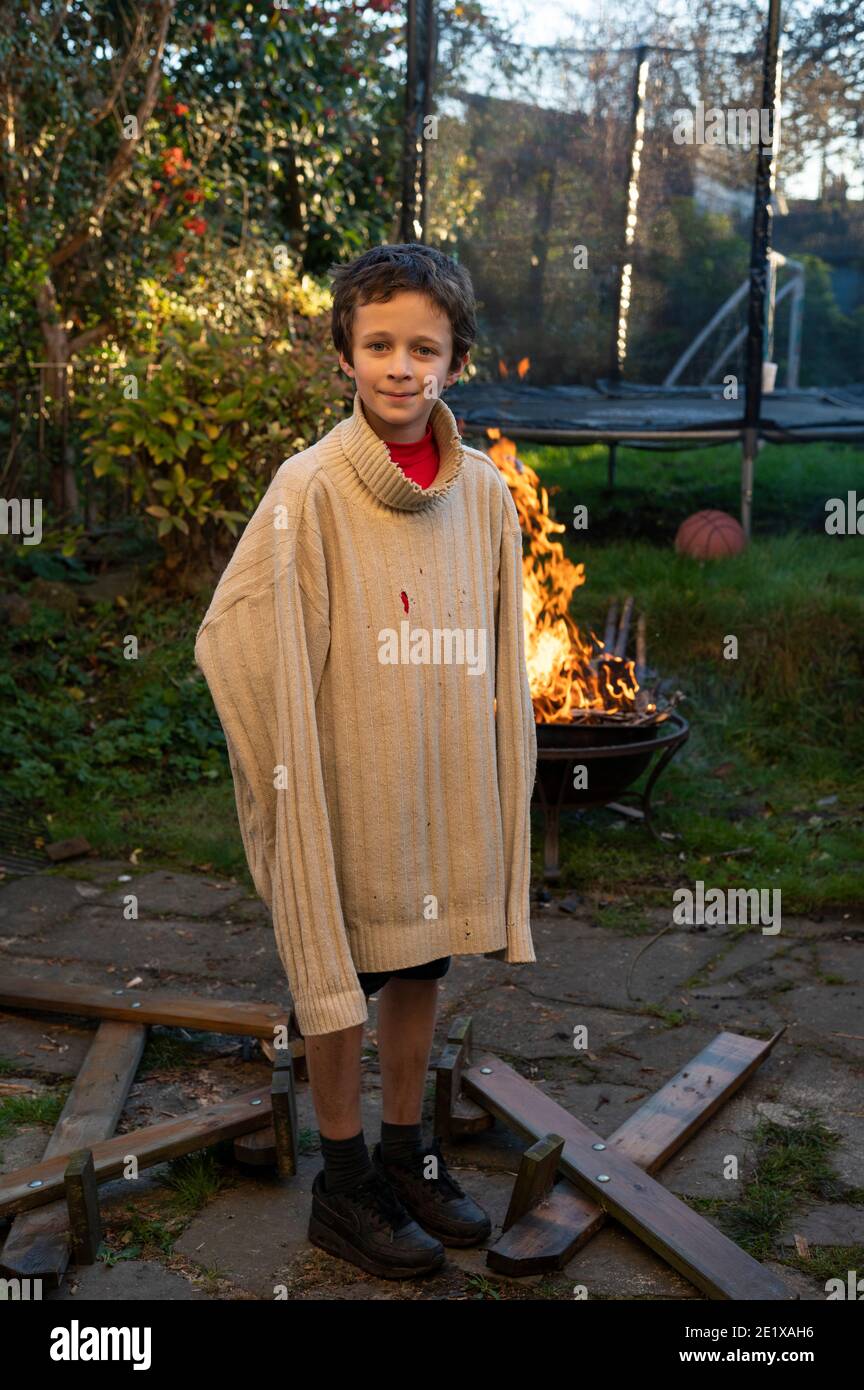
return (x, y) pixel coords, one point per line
(522, 367)
(570, 679)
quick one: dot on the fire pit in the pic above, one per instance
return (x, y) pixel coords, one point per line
(591, 703)
(614, 758)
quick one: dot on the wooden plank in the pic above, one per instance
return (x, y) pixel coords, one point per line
(548, 1236)
(283, 1101)
(679, 1235)
(82, 1203)
(649, 1137)
(664, 1123)
(454, 1113)
(258, 1149)
(151, 1145)
(38, 1244)
(297, 1048)
(143, 1006)
(535, 1178)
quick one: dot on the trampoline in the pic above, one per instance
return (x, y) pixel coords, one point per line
(634, 285)
(627, 411)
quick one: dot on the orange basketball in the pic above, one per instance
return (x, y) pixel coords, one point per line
(710, 535)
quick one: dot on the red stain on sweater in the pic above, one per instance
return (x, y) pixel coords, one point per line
(404, 598)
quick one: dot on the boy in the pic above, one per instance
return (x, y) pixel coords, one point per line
(365, 652)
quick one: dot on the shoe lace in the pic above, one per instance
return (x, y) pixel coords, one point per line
(444, 1182)
(378, 1196)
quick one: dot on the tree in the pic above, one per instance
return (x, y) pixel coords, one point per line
(136, 136)
(79, 87)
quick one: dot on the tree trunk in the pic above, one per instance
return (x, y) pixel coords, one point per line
(55, 385)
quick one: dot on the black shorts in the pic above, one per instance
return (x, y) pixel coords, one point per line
(371, 981)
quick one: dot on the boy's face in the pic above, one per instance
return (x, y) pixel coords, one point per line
(402, 351)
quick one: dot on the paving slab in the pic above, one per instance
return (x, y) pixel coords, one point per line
(29, 905)
(593, 966)
(828, 1017)
(252, 1233)
(47, 1044)
(737, 1011)
(98, 932)
(763, 962)
(809, 1288)
(514, 1022)
(615, 1265)
(132, 1281)
(843, 959)
(828, 1223)
(162, 893)
(832, 1089)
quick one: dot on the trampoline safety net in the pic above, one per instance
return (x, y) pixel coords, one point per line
(602, 200)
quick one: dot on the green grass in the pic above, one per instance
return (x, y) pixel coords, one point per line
(194, 1180)
(792, 1172)
(16, 1111)
(655, 489)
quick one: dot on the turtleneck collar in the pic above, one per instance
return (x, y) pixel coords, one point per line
(371, 459)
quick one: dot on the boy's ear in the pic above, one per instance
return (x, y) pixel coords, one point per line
(457, 371)
(346, 365)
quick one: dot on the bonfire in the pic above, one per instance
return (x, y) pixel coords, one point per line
(573, 681)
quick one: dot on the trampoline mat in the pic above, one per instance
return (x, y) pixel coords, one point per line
(564, 413)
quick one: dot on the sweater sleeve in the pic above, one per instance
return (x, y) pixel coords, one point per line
(516, 738)
(263, 658)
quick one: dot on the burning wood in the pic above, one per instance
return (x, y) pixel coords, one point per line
(572, 681)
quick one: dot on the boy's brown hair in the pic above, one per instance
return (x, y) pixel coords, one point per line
(383, 271)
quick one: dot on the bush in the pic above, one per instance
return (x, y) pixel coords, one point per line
(202, 407)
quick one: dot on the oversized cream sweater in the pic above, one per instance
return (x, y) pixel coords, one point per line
(364, 649)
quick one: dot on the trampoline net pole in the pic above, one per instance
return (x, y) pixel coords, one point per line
(418, 102)
(760, 257)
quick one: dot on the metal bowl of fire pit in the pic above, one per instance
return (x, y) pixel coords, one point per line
(614, 757)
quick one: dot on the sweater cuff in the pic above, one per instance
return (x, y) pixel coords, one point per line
(520, 946)
(329, 1013)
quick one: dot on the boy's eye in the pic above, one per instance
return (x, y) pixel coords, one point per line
(422, 347)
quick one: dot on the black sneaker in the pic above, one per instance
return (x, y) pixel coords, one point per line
(440, 1205)
(369, 1226)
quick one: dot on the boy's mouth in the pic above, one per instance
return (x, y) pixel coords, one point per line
(399, 395)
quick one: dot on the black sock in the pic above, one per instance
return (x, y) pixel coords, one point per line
(400, 1142)
(346, 1162)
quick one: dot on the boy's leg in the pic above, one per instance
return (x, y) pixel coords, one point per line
(406, 1025)
(333, 1065)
